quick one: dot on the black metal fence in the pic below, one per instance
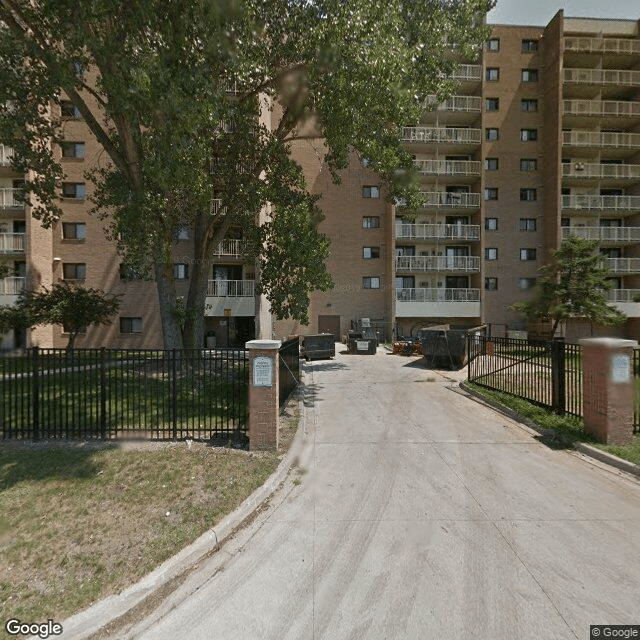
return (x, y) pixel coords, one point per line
(108, 393)
(289, 368)
(636, 382)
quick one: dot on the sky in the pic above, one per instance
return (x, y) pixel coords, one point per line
(539, 12)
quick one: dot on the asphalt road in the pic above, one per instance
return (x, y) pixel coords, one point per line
(418, 514)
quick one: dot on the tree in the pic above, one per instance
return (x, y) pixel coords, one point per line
(74, 307)
(573, 285)
(197, 104)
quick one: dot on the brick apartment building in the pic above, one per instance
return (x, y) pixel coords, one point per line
(541, 140)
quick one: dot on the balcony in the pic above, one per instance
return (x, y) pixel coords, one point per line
(625, 300)
(601, 171)
(604, 235)
(624, 46)
(8, 200)
(447, 200)
(601, 139)
(6, 153)
(437, 303)
(465, 104)
(12, 243)
(616, 77)
(442, 135)
(622, 265)
(467, 73)
(407, 231)
(601, 108)
(229, 249)
(234, 297)
(458, 264)
(585, 203)
(448, 167)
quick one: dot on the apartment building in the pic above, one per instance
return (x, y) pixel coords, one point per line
(541, 140)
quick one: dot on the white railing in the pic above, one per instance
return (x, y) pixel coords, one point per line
(596, 170)
(622, 265)
(438, 295)
(600, 139)
(231, 288)
(455, 103)
(603, 234)
(12, 242)
(467, 72)
(437, 263)
(7, 199)
(622, 295)
(12, 285)
(600, 108)
(616, 203)
(442, 135)
(602, 45)
(230, 248)
(623, 77)
(446, 199)
(437, 231)
(448, 167)
(6, 153)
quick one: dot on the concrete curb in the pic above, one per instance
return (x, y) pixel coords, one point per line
(90, 621)
(582, 447)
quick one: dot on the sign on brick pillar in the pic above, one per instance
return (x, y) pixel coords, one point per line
(608, 389)
(263, 394)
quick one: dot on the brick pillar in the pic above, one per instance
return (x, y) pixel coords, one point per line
(264, 407)
(608, 389)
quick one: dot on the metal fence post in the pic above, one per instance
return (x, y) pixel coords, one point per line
(36, 393)
(558, 398)
(174, 395)
(103, 396)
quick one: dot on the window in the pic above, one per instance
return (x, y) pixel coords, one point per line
(492, 74)
(73, 190)
(491, 133)
(529, 104)
(370, 192)
(130, 325)
(528, 195)
(491, 253)
(72, 149)
(491, 193)
(491, 164)
(491, 224)
(369, 282)
(492, 104)
(180, 271)
(183, 232)
(491, 284)
(527, 254)
(528, 224)
(74, 270)
(493, 44)
(529, 46)
(370, 253)
(67, 329)
(524, 284)
(527, 135)
(529, 75)
(74, 230)
(528, 164)
(69, 110)
(371, 222)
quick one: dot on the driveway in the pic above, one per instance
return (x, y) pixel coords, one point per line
(419, 514)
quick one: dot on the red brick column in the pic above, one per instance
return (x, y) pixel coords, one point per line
(608, 389)
(263, 394)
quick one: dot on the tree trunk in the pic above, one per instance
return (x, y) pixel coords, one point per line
(171, 335)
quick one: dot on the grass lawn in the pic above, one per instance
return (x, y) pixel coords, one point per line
(568, 429)
(81, 522)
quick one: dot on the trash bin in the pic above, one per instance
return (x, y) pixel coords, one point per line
(321, 346)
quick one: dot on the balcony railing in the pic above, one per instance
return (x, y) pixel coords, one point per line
(467, 72)
(600, 108)
(621, 77)
(12, 242)
(604, 234)
(451, 200)
(596, 170)
(437, 231)
(438, 295)
(448, 167)
(455, 103)
(602, 45)
(8, 200)
(231, 288)
(622, 265)
(437, 263)
(442, 135)
(230, 248)
(6, 153)
(595, 202)
(600, 139)
(12, 285)
(622, 295)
